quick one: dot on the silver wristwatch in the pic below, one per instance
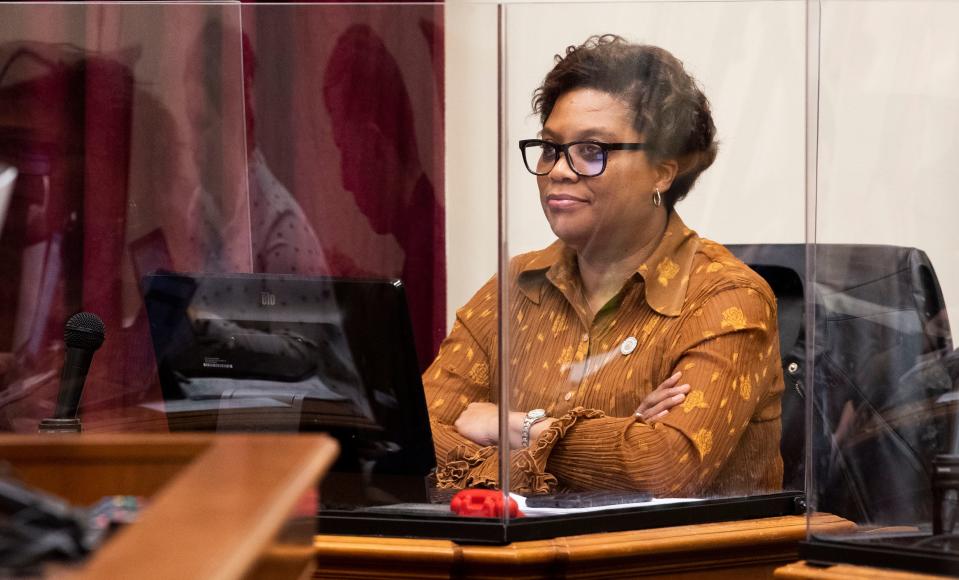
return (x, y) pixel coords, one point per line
(532, 418)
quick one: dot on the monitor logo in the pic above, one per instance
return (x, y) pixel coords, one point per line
(267, 299)
(212, 362)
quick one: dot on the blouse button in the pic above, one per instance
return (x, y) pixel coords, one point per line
(568, 396)
(585, 337)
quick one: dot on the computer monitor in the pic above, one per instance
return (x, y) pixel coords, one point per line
(264, 352)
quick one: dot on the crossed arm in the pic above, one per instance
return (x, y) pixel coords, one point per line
(479, 422)
(685, 429)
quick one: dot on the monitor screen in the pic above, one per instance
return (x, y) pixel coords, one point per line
(262, 352)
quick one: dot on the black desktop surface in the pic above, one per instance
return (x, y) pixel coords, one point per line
(259, 352)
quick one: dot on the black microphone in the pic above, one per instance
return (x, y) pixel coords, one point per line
(83, 334)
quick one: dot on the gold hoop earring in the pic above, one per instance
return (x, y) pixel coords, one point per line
(657, 198)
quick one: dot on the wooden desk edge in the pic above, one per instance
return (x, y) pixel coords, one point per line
(221, 513)
(773, 536)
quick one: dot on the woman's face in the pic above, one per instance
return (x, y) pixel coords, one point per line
(608, 212)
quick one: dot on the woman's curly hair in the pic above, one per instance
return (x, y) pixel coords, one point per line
(672, 113)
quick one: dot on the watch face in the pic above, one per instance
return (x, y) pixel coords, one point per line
(536, 414)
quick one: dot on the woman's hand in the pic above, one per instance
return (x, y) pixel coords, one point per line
(479, 423)
(657, 404)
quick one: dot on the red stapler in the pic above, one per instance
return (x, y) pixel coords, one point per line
(482, 503)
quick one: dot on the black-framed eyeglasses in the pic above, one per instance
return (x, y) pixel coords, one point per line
(585, 158)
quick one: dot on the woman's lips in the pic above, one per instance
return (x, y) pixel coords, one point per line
(562, 201)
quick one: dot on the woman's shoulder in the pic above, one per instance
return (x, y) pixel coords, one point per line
(537, 260)
(716, 268)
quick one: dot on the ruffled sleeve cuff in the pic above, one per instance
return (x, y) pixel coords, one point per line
(467, 468)
(557, 431)
(528, 475)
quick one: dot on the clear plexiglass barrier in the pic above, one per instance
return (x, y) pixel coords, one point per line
(884, 273)
(351, 219)
(247, 204)
(644, 255)
(558, 253)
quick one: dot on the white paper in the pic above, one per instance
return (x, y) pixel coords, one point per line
(537, 511)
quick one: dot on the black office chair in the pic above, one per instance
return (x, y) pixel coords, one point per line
(881, 323)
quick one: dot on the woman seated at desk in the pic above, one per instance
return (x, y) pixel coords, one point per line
(628, 300)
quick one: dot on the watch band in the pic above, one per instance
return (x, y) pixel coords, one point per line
(532, 418)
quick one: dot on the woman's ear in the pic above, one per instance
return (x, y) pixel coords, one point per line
(666, 171)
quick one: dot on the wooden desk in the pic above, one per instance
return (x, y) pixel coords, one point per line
(804, 571)
(217, 503)
(746, 549)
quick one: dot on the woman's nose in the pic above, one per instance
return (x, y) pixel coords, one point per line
(562, 171)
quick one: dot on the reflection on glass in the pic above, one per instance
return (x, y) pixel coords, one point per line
(883, 425)
(8, 178)
(272, 346)
(280, 235)
(380, 157)
(642, 357)
(146, 144)
(878, 369)
(270, 353)
(54, 141)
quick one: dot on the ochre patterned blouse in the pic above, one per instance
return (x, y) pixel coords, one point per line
(691, 307)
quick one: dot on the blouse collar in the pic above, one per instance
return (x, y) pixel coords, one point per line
(665, 272)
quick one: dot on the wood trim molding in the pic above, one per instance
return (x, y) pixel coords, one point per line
(752, 548)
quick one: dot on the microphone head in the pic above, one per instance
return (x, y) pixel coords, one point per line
(84, 330)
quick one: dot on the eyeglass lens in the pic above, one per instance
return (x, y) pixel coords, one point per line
(588, 159)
